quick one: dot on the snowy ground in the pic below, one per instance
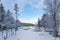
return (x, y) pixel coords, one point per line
(30, 34)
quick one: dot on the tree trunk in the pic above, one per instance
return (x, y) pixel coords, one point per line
(55, 27)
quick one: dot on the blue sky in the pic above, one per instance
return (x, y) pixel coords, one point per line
(29, 10)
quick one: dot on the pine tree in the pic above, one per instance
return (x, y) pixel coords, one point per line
(39, 23)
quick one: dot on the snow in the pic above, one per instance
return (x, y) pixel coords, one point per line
(29, 34)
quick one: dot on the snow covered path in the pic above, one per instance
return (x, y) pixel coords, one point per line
(31, 35)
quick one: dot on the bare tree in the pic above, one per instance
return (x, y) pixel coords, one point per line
(52, 7)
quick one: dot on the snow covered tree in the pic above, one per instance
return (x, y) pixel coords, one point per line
(52, 7)
(16, 12)
(2, 11)
(43, 21)
(39, 23)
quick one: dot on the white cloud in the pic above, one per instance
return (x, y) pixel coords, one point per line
(9, 4)
(36, 3)
(22, 3)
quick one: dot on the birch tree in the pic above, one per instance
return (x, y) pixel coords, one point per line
(52, 7)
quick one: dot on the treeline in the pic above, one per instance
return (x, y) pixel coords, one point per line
(27, 24)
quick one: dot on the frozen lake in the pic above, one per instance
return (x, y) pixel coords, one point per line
(29, 34)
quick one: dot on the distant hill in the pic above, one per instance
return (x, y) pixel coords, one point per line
(27, 24)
